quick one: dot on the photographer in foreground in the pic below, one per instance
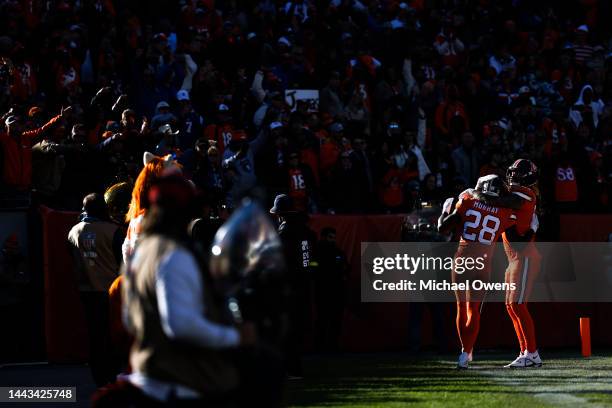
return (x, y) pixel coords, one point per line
(179, 356)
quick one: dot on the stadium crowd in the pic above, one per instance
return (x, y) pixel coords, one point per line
(413, 99)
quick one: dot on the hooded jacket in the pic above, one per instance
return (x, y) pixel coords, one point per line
(596, 105)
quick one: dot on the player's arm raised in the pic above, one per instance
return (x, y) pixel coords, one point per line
(448, 220)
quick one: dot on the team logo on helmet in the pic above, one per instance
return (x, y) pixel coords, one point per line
(522, 172)
(491, 185)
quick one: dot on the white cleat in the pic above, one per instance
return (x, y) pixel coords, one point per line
(518, 361)
(526, 360)
(534, 359)
(464, 360)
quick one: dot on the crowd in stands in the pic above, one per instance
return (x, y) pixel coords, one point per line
(347, 106)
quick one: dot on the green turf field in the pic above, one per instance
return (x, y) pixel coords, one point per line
(395, 380)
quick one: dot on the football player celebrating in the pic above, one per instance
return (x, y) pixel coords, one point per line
(480, 223)
(523, 260)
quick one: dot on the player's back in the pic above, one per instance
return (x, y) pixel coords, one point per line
(481, 223)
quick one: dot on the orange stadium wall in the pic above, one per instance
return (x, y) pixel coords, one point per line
(367, 327)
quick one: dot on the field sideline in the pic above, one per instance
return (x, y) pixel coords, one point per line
(396, 380)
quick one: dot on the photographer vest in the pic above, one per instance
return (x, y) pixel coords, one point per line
(207, 371)
(96, 266)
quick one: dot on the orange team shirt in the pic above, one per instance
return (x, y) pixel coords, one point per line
(447, 111)
(528, 207)
(297, 189)
(309, 157)
(392, 196)
(328, 156)
(481, 225)
(566, 187)
(221, 134)
(523, 215)
(17, 170)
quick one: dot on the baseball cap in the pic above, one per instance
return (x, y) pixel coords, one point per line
(284, 41)
(336, 127)
(282, 205)
(182, 95)
(275, 125)
(166, 130)
(251, 35)
(160, 37)
(396, 24)
(584, 28)
(162, 104)
(503, 123)
(223, 108)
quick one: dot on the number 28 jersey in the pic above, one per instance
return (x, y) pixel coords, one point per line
(481, 223)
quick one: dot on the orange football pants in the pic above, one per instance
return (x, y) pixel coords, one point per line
(522, 271)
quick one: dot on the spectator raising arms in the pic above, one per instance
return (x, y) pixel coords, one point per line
(17, 145)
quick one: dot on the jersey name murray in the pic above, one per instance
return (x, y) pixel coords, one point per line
(482, 206)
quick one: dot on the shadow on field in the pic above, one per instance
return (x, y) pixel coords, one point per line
(400, 379)
(374, 380)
